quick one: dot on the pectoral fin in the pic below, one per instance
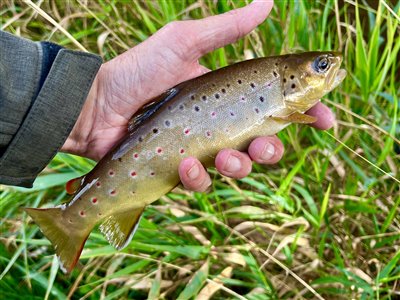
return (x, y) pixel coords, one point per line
(120, 228)
(297, 117)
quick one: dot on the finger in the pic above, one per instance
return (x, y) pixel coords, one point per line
(326, 118)
(193, 175)
(233, 163)
(266, 150)
(198, 37)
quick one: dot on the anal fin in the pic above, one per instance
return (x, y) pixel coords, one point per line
(297, 117)
(119, 229)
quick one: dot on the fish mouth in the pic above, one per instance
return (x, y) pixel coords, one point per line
(339, 76)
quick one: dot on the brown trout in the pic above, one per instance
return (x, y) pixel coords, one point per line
(226, 108)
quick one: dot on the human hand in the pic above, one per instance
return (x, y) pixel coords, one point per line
(170, 56)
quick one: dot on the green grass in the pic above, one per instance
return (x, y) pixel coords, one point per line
(323, 223)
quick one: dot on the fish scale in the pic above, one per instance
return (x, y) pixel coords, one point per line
(226, 108)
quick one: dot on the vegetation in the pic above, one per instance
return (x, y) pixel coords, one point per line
(322, 223)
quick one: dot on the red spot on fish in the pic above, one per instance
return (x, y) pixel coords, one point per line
(181, 151)
(187, 131)
(135, 155)
(213, 114)
(113, 192)
(152, 173)
(111, 173)
(208, 133)
(82, 213)
(243, 99)
(257, 110)
(133, 174)
(159, 150)
(98, 184)
(94, 200)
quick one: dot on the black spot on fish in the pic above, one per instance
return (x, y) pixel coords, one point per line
(284, 79)
(192, 97)
(285, 67)
(276, 64)
(217, 96)
(167, 123)
(204, 98)
(213, 84)
(155, 130)
(255, 71)
(119, 159)
(262, 99)
(239, 81)
(223, 91)
(140, 139)
(196, 108)
(284, 93)
(232, 114)
(256, 110)
(252, 85)
(181, 107)
(291, 76)
(275, 74)
(228, 85)
(293, 86)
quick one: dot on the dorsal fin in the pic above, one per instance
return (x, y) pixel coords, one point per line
(149, 109)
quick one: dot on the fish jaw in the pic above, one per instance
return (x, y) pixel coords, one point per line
(340, 75)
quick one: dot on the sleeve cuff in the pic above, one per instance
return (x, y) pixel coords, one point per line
(50, 118)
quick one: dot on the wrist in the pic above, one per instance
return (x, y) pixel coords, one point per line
(78, 139)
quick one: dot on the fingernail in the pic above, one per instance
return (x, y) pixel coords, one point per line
(233, 164)
(268, 152)
(193, 172)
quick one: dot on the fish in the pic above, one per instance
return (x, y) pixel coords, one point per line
(225, 108)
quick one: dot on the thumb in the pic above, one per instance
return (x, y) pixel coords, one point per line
(217, 31)
(197, 37)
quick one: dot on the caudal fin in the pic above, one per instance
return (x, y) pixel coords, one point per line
(68, 241)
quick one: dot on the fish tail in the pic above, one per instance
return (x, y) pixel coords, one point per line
(68, 241)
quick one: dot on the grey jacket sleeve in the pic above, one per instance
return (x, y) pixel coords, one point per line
(42, 91)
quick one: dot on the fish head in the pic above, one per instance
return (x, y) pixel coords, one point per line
(306, 77)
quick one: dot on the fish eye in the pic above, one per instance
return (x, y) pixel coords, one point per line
(321, 64)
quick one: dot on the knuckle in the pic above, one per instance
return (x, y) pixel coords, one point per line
(182, 42)
(172, 27)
